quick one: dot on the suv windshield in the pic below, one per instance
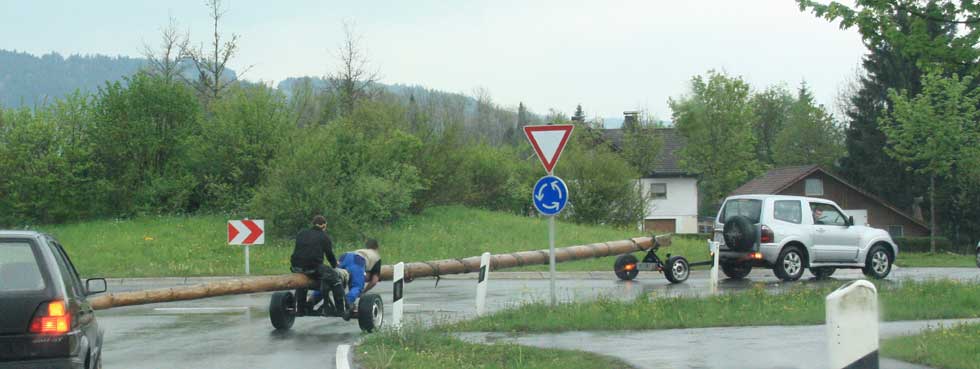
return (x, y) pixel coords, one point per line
(18, 268)
(749, 208)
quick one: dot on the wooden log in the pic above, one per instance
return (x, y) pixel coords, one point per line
(412, 270)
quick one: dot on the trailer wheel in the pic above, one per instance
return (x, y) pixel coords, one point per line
(677, 269)
(279, 310)
(370, 313)
(625, 267)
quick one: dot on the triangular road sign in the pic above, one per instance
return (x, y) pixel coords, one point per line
(548, 142)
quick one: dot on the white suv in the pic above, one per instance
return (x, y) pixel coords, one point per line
(790, 233)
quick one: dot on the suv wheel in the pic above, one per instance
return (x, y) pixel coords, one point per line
(790, 264)
(736, 271)
(822, 272)
(879, 263)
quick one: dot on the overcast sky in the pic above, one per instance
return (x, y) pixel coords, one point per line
(610, 56)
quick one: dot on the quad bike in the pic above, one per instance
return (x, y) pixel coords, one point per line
(284, 307)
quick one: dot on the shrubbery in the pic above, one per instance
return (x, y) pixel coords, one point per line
(149, 145)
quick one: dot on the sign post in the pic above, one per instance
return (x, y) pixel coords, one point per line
(246, 232)
(550, 194)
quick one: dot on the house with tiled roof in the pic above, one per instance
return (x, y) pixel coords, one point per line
(673, 192)
(814, 181)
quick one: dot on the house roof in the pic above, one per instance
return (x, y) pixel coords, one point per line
(778, 179)
(668, 159)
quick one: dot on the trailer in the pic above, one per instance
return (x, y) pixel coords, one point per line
(676, 269)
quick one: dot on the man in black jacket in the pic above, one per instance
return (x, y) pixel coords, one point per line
(311, 246)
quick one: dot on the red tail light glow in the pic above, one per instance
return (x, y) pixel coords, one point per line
(51, 319)
(766, 236)
(629, 267)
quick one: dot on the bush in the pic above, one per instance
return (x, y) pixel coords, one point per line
(603, 187)
(140, 142)
(246, 128)
(357, 172)
(49, 174)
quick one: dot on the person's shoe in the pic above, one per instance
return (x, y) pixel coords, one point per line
(348, 312)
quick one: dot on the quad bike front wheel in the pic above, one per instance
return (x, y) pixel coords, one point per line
(370, 313)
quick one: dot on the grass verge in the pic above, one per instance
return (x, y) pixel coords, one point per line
(801, 305)
(159, 246)
(417, 348)
(953, 347)
(939, 259)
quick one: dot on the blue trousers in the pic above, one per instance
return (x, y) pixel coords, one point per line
(354, 264)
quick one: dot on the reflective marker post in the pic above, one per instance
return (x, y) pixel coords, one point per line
(481, 284)
(715, 248)
(397, 294)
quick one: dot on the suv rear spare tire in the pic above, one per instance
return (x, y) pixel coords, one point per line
(736, 271)
(739, 233)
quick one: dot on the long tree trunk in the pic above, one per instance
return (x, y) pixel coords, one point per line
(412, 270)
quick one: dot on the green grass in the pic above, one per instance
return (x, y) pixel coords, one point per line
(943, 259)
(196, 245)
(956, 347)
(757, 306)
(416, 348)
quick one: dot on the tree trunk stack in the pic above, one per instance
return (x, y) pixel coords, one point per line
(412, 270)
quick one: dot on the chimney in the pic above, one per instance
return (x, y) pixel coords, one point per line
(630, 118)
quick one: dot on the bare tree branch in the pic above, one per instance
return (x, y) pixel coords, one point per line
(212, 64)
(166, 61)
(352, 79)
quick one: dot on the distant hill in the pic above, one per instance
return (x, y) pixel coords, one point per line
(28, 80)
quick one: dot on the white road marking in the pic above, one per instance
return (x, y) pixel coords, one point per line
(343, 357)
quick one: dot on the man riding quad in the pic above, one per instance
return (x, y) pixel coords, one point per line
(311, 246)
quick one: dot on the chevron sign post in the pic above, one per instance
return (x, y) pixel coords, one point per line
(246, 232)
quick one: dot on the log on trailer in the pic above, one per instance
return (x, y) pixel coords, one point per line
(412, 270)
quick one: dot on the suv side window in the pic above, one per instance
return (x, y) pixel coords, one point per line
(788, 211)
(826, 214)
(72, 284)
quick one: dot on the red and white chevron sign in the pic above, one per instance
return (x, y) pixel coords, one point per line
(246, 232)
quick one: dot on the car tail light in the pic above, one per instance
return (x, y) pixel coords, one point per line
(51, 318)
(757, 255)
(766, 236)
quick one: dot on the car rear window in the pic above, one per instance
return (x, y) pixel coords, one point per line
(18, 268)
(750, 208)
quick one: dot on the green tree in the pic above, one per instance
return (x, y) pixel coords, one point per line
(716, 120)
(937, 132)
(357, 171)
(237, 143)
(140, 140)
(641, 147)
(810, 135)
(771, 108)
(603, 186)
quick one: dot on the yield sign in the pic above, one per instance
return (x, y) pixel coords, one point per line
(548, 142)
(246, 232)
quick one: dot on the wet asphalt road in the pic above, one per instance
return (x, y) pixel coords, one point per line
(235, 332)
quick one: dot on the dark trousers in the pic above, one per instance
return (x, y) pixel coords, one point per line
(329, 282)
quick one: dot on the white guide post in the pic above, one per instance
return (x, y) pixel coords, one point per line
(852, 326)
(481, 286)
(715, 248)
(397, 304)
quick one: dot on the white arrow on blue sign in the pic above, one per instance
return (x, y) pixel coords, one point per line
(550, 195)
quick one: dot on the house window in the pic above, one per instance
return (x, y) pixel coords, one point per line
(814, 187)
(896, 231)
(658, 190)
